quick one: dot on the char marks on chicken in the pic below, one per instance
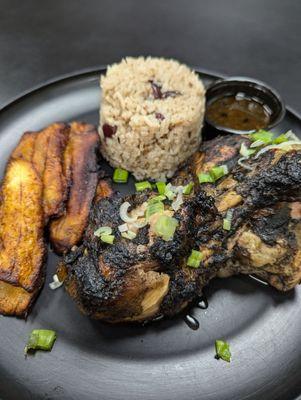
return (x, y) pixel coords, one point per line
(139, 279)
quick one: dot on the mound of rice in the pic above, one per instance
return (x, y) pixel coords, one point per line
(151, 115)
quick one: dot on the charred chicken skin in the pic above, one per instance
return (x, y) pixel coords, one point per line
(143, 278)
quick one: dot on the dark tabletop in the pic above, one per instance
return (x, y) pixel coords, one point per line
(257, 38)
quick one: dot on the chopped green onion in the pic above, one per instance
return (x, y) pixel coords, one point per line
(107, 239)
(291, 136)
(140, 186)
(170, 194)
(280, 139)
(154, 208)
(103, 230)
(129, 235)
(40, 339)
(166, 227)
(245, 151)
(188, 188)
(205, 178)
(214, 174)
(161, 187)
(218, 172)
(195, 258)
(156, 199)
(226, 224)
(222, 350)
(120, 175)
(257, 143)
(228, 220)
(262, 135)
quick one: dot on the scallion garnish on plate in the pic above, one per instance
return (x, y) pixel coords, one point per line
(120, 175)
(40, 339)
(222, 350)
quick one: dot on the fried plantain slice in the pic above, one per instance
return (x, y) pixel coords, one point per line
(25, 147)
(55, 185)
(22, 247)
(15, 300)
(80, 168)
(47, 158)
(45, 149)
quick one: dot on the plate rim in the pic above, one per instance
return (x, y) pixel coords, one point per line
(101, 68)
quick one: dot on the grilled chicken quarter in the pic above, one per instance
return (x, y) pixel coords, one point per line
(147, 277)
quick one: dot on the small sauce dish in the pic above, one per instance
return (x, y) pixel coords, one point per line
(241, 106)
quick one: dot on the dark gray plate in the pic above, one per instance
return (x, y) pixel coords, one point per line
(166, 360)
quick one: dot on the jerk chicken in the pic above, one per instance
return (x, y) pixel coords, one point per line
(143, 278)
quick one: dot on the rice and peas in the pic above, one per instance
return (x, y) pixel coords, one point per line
(151, 116)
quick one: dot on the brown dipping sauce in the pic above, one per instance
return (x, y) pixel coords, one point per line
(238, 112)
